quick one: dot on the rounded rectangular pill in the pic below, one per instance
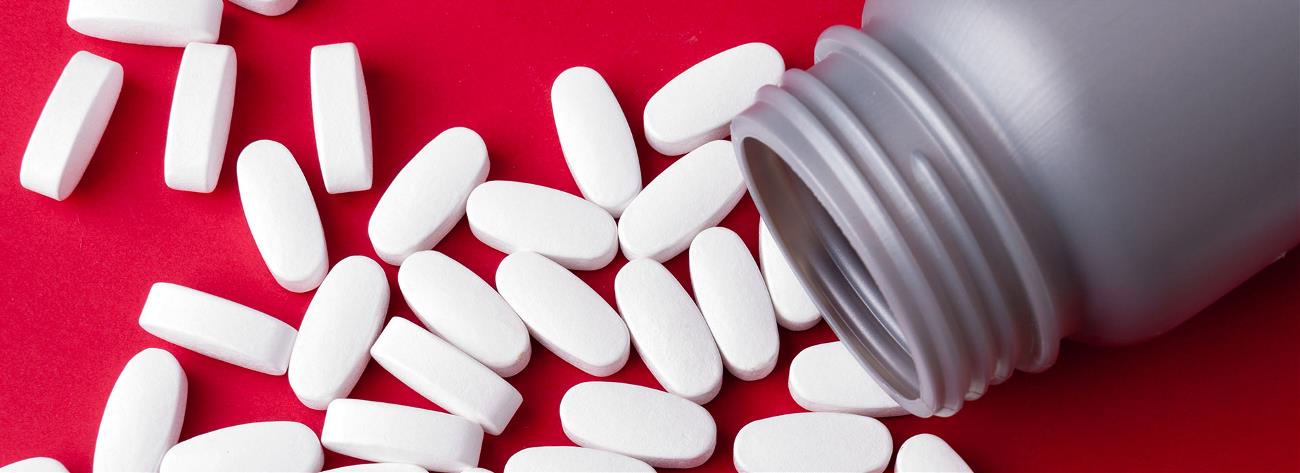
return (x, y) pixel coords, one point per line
(813, 441)
(827, 378)
(218, 328)
(925, 453)
(647, 424)
(516, 216)
(199, 125)
(340, 325)
(734, 301)
(143, 416)
(574, 459)
(428, 196)
(595, 138)
(445, 376)
(149, 22)
(697, 106)
(282, 215)
(35, 465)
(794, 308)
(267, 7)
(259, 446)
(380, 468)
(340, 112)
(383, 432)
(70, 125)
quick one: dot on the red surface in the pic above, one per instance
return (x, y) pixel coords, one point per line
(1219, 393)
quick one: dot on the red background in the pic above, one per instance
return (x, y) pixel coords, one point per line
(1222, 392)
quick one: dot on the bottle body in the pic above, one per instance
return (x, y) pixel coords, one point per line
(1033, 170)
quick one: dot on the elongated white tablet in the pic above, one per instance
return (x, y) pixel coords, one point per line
(668, 331)
(457, 305)
(35, 465)
(282, 215)
(148, 22)
(340, 112)
(647, 424)
(199, 125)
(267, 7)
(379, 468)
(596, 139)
(218, 328)
(382, 432)
(693, 194)
(564, 314)
(794, 309)
(515, 216)
(333, 343)
(827, 378)
(927, 453)
(445, 375)
(813, 441)
(259, 446)
(143, 416)
(70, 126)
(697, 106)
(734, 301)
(427, 197)
(573, 459)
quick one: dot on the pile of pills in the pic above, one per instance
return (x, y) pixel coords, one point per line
(471, 335)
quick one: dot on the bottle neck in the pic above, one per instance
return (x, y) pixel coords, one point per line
(896, 229)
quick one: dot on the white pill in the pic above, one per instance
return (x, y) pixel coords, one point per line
(457, 305)
(445, 375)
(697, 106)
(693, 194)
(427, 197)
(573, 459)
(218, 328)
(794, 309)
(515, 216)
(813, 441)
(668, 331)
(340, 112)
(927, 453)
(342, 321)
(35, 465)
(282, 215)
(476, 470)
(259, 446)
(564, 314)
(267, 7)
(734, 301)
(596, 139)
(143, 416)
(199, 125)
(827, 378)
(70, 125)
(647, 424)
(382, 432)
(379, 468)
(148, 22)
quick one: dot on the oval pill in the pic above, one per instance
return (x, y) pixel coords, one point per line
(563, 313)
(282, 215)
(794, 308)
(647, 424)
(734, 301)
(218, 328)
(427, 197)
(813, 441)
(445, 375)
(147, 22)
(827, 378)
(572, 459)
(70, 125)
(692, 194)
(926, 453)
(35, 465)
(595, 138)
(383, 432)
(143, 416)
(199, 125)
(334, 338)
(697, 106)
(258, 446)
(668, 331)
(340, 113)
(516, 216)
(458, 306)
(267, 7)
